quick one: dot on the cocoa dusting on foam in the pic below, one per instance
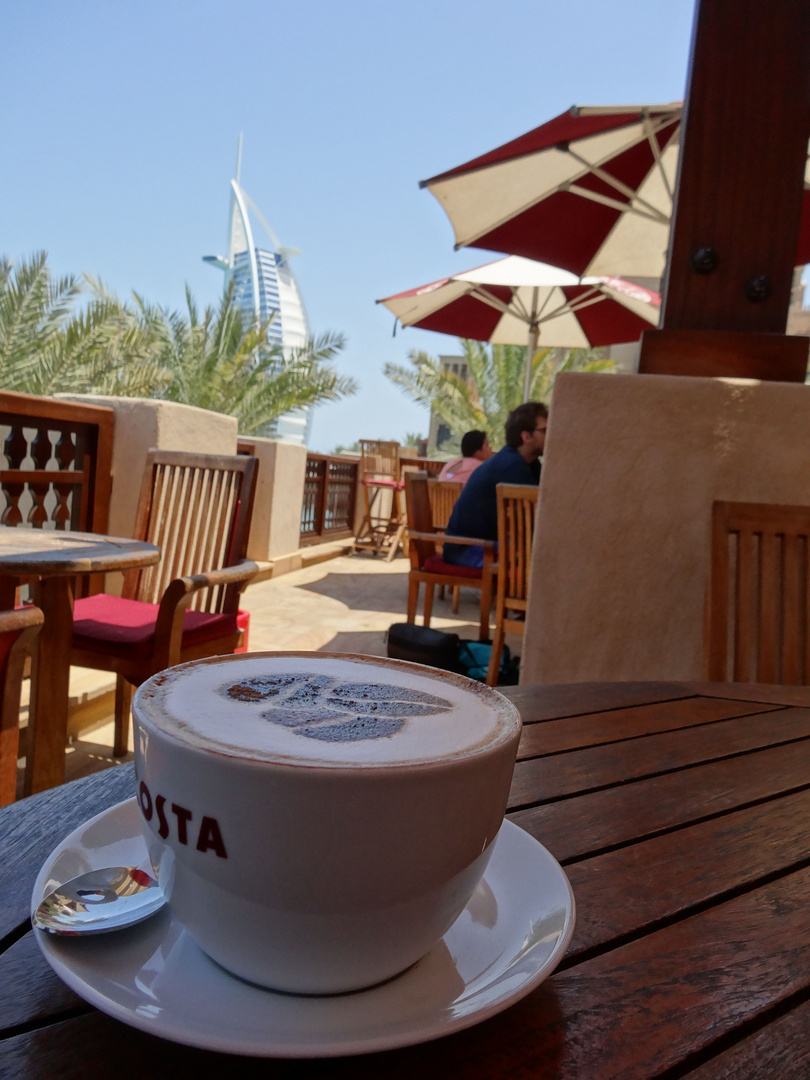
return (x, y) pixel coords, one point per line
(333, 710)
(326, 711)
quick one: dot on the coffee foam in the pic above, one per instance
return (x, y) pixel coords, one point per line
(326, 710)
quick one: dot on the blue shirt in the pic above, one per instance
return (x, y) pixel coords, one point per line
(476, 509)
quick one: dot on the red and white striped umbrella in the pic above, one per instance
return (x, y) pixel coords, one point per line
(590, 190)
(514, 300)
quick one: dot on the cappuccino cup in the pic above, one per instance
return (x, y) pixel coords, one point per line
(319, 821)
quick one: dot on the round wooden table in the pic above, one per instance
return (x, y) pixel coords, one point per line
(55, 559)
(679, 812)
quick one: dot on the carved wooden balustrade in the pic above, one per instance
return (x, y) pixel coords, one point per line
(330, 491)
(56, 472)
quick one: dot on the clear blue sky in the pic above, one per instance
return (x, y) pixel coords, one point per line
(120, 126)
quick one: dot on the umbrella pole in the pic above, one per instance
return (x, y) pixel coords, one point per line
(530, 351)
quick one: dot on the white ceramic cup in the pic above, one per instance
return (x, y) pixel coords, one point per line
(333, 859)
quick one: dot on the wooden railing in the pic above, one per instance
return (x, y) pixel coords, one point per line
(56, 472)
(330, 491)
(329, 498)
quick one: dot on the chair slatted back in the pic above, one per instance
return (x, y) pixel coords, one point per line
(757, 600)
(379, 460)
(197, 509)
(443, 495)
(517, 508)
(420, 517)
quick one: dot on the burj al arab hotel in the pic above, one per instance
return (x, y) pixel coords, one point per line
(265, 283)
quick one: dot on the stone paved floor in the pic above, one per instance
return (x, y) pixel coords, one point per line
(343, 605)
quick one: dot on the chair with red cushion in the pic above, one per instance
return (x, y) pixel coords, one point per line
(197, 509)
(517, 510)
(428, 568)
(18, 629)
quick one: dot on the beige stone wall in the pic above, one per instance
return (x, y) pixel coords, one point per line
(140, 425)
(632, 466)
(276, 528)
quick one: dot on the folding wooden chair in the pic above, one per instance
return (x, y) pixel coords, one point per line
(757, 604)
(517, 508)
(197, 509)
(383, 526)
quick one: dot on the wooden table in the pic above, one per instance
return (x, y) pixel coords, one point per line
(681, 813)
(55, 559)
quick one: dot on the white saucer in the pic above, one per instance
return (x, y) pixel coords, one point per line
(510, 937)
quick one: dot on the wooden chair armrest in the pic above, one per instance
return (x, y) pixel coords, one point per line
(229, 575)
(443, 538)
(179, 594)
(21, 619)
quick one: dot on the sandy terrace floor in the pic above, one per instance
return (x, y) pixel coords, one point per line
(343, 605)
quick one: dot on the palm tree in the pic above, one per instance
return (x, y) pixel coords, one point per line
(216, 361)
(496, 385)
(46, 345)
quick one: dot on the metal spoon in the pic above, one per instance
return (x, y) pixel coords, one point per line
(99, 901)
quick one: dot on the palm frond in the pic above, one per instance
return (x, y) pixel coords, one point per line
(496, 387)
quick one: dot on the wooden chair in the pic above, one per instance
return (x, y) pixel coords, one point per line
(757, 609)
(383, 527)
(427, 566)
(517, 508)
(197, 508)
(18, 629)
(443, 495)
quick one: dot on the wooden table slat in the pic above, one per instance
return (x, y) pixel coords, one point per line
(772, 695)
(670, 994)
(780, 1051)
(674, 874)
(559, 700)
(593, 729)
(639, 810)
(30, 991)
(544, 779)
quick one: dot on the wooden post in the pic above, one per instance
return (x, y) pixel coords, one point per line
(739, 196)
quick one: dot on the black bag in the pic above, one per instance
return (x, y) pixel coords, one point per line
(421, 645)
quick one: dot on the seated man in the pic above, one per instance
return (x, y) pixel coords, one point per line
(476, 510)
(475, 448)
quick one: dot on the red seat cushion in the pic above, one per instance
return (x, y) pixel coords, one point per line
(115, 626)
(435, 564)
(243, 622)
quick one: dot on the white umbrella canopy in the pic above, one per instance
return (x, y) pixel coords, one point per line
(514, 301)
(591, 191)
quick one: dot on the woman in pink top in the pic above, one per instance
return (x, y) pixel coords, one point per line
(475, 448)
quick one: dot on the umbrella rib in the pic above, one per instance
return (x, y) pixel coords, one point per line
(593, 296)
(481, 293)
(625, 208)
(617, 185)
(656, 152)
(538, 314)
(518, 309)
